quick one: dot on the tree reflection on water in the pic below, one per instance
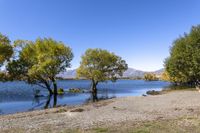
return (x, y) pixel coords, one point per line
(52, 101)
(46, 102)
(1, 112)
(94, 97)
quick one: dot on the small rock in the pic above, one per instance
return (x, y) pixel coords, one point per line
(153, 92)
(77, 110)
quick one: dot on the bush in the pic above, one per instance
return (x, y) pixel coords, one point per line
(61, 91)
(76, 90)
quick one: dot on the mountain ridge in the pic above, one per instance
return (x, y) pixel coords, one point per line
(130, 73)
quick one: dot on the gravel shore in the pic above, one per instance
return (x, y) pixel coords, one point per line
(106, 113)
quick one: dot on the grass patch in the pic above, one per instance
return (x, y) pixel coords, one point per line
(100, 130)
(71, 131)
(180, 125)
(13, 130)
(184, 124)
(141, 131)
(61, 110)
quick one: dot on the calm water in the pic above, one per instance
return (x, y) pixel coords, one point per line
(18, 96)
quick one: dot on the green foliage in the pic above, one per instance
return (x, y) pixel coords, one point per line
(183, 65)
(165, 76)
(61, 91)
(3, 76)
(100, 130)
(100, 65)
(76, 90)
(6, 49)
(150, 77)
(39, 62)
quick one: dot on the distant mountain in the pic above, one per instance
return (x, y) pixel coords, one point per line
(159, 72)
(131, 73)
(68, 74)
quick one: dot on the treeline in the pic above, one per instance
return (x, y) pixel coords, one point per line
(38, 62)
(150, 77)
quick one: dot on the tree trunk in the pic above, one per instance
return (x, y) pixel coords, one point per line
(48, 102)
(49, 88)
(94, 97)
(94, 86)
(94, 90)
(54, 100)
(54, 86)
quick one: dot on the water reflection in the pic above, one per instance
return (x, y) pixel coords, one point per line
(52, 101)
(43, 102)
(1, 112)
(100, 95)
(47, 102)
(95, 98)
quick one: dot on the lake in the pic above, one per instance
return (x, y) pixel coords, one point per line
(19, 97)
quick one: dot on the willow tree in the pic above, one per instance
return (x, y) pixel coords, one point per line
(40, 61)
(6, 51)
(99, 66)
(183, 65)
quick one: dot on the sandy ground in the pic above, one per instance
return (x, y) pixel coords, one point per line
(107, 113)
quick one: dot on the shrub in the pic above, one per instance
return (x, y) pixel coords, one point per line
(61, 91)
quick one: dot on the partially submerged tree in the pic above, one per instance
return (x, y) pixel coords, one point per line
(183, 65)
(39, 62)
(100, 65)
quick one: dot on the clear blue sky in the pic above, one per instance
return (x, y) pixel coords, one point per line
(141, 31)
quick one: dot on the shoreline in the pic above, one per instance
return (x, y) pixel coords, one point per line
(106, 114)
(18, 100)
(157, 92)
